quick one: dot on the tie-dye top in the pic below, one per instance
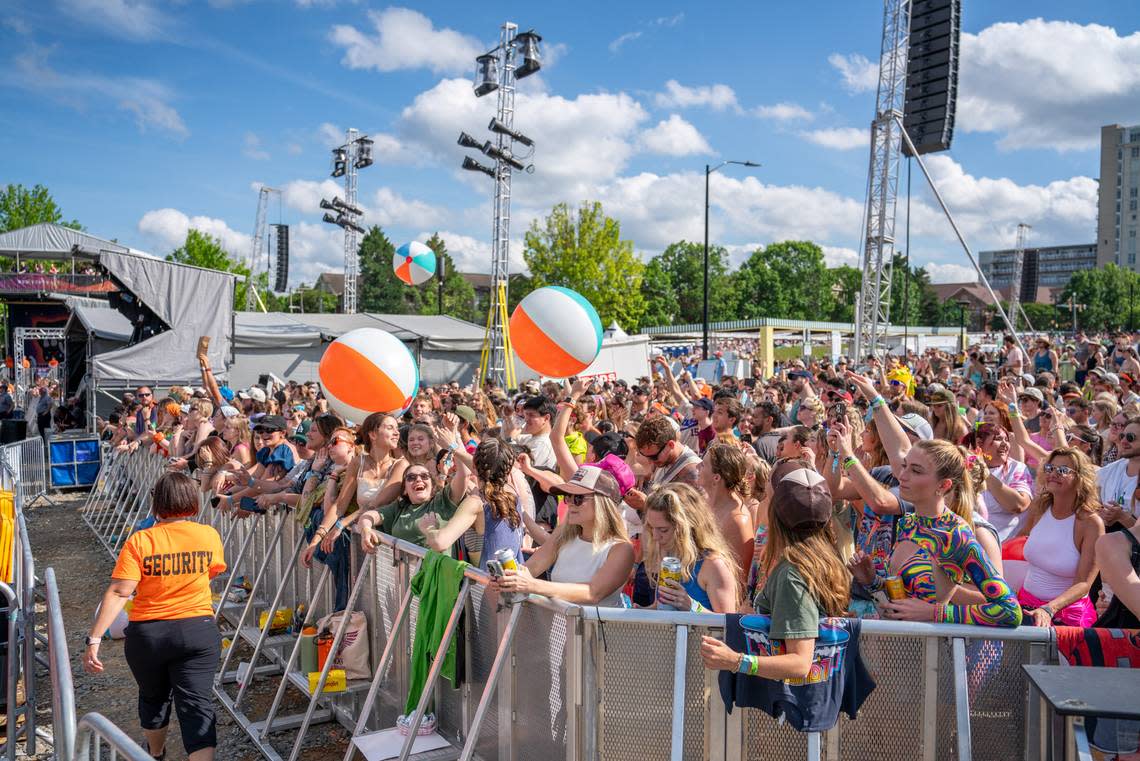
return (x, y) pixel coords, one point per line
(948, 542)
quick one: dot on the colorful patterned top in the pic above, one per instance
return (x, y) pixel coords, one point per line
(756, 576)
(948, 542)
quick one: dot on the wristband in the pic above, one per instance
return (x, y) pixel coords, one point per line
(749, 665)
(89, 641)
(878, 402)
(849, 462)
(1012, 410)
(1048, 609)
(453, 446)
(321, 532)
(339, 524)
(695, 607)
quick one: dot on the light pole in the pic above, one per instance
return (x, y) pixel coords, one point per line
(962, 324)
(705, 303)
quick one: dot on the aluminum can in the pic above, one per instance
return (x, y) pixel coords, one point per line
(506, 558)
(895, 588)
(670, 571)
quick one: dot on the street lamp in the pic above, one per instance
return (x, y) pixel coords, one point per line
(962, 323)
(705, 308)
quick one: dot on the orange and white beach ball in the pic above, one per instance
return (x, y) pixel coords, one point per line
(556, 332)
(414, 263)
(368, 370)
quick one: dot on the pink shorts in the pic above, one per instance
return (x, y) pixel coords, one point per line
(1081, 613)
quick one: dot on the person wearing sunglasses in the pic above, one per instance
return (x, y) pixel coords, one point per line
(589, 556)
(666, 458)
(1062, 526)
(1118, 480)
(147, 416)
(421, 497)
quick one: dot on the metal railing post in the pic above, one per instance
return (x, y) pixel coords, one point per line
(962, 699)
(59, 664)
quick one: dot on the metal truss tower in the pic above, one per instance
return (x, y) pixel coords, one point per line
(1015, 277)
(259, 233)
(351, 240)
(874, 305)
(496, 360)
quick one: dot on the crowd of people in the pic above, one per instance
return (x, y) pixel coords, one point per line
(989, 489)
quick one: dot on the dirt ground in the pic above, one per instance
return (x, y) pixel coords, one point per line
(61, 540)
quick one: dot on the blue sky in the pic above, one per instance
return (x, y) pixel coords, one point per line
(147, 117)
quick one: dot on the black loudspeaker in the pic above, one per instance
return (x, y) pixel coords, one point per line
(13, 430)
(281, 279)
(932, 74)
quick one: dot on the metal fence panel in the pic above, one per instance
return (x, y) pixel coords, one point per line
(542, 684)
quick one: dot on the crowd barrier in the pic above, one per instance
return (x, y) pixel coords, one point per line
(22, 475)
(546, 679)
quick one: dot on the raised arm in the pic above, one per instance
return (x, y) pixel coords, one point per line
(208, 381)
(562, 455)
(895, 441)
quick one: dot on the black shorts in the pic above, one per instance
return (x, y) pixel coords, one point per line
(176, 660)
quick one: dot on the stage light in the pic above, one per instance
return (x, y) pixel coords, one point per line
(340, 205)
(340, 162)
(505, 156)
(330, 219)
(474, 166)
(502, 129)
(326, 205)
(532, 62)
(486, 74)
(363, 153)
(469, 142)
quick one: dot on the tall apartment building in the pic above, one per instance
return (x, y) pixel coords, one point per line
(1117, 214)
(1042, 267)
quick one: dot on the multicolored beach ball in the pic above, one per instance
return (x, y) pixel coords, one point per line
(556, 332)
(414, 263)
(368, 370)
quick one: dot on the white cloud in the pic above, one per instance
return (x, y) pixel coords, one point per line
(835, 256)
(838, 138)
(405, 39)
(675, 137)
(251, 148)
(129, 19)
(784, 112)
(305, 195)
(294, 149)
(951, 273)
(167, 228)
(620, 40)
(147, 99)
(988, 209)
(669, 20)
(859, 74)
(314, 248)
(718, 97)
(390, 208)
(1048, 84)
(584, 140)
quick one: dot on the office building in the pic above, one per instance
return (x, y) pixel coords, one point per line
(1045, 270)
(1117, 214)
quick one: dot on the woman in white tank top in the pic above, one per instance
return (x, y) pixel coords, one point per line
(376, 466)
(1062, 527)
(589, 556)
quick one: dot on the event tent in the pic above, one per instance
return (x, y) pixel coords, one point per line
(290, 346)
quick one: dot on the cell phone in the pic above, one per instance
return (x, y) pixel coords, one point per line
(495, 569)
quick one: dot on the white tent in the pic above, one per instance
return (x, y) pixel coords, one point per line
(290, 346)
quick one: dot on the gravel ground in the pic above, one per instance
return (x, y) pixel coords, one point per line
(61, 540)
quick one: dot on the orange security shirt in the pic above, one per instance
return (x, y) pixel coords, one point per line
(173, 564)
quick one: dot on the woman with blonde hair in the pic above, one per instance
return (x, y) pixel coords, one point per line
(723, 476)
(589, 556)
(806, 579)
(236, 433)
(679, 525)
(935, 549)
(1063, 526)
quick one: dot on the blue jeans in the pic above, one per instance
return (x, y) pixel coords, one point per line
(337, 560)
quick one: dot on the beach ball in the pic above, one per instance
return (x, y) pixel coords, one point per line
(368, 370)
(556, 332)
(414, 263)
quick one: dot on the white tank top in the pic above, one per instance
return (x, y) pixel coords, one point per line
(577, 563)
(1052, 555)
(366, 490)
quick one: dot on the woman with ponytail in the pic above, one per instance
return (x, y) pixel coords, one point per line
(936, 549)
(498, 516)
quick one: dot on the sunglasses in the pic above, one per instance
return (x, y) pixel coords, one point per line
(576, 499)
(1130, 437)
(1061, 470)
(417, 477)
(143, 395)
(653, 457)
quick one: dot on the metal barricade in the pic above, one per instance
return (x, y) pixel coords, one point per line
(26, 461)
(59, 667)
(96, 731)
(121, 495)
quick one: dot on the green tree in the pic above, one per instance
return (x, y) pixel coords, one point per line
(20, 207)
(680, 270)
(786, 280)
(203, 250)
(1107, 295)
(585, 252)
(1044, 316)
(379, 289)
(846, 282)
(458, 295)
(303, 299)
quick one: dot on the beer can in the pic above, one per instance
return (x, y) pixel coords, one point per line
(670, 571)
(895, 588)
(506, 558)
